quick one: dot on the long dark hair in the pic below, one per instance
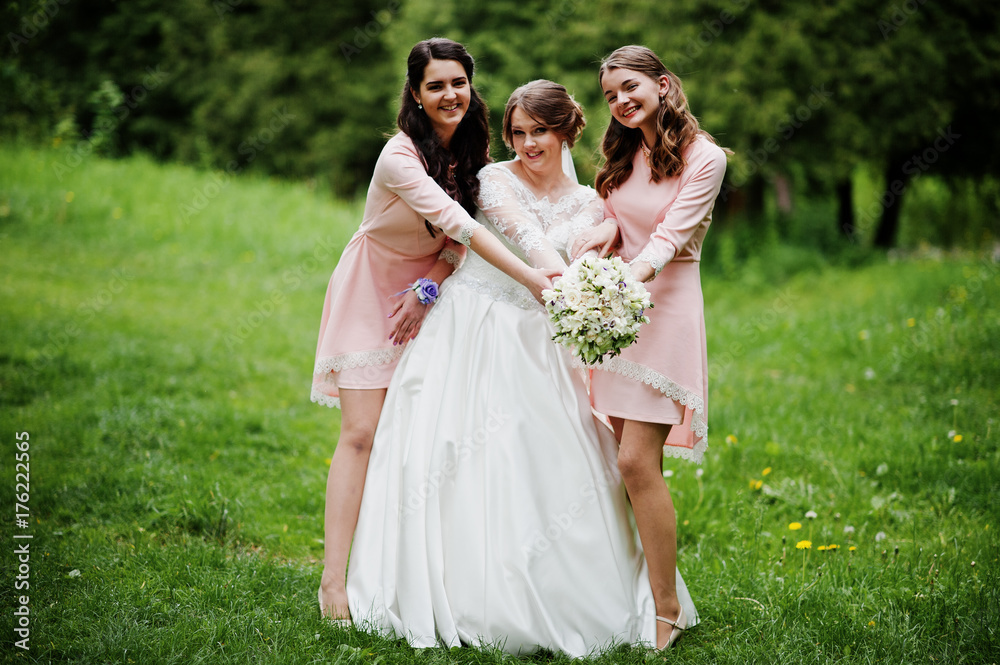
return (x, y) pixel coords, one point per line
(470, 145)
(676, 126)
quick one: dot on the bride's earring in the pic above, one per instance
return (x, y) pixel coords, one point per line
(420, 106)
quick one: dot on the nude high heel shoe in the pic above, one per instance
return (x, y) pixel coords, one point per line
(679, 625)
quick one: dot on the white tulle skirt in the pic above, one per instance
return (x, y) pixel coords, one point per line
(493, 511)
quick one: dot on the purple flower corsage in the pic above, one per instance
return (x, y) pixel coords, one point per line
(427, 290)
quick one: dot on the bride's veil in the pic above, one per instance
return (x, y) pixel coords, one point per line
(567, 163)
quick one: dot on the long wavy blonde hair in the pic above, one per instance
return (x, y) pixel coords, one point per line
(676, 126)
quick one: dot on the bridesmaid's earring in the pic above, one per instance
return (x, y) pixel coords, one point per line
(420, 106)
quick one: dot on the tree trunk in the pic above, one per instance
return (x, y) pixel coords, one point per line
(845, 208)
(783, 194)
(755, 189)
(892, 202)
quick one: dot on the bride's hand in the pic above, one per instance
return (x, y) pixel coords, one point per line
(540, 279)
(409, 313)
(602, 237)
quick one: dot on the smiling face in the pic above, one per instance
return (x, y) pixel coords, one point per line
(445, 93)
(538, 147)
(634, 99)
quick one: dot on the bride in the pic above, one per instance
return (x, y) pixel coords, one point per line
(493, 511)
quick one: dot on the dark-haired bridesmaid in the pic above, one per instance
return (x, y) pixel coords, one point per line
(417, 223)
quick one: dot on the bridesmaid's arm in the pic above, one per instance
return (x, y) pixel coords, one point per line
(693, 204)
(453, 254)
(408, 311)
(488, 246)
(404, 175)
(402, 172)
(601, 239)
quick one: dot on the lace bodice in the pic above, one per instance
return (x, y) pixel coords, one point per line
(540, 231)
(540, 228)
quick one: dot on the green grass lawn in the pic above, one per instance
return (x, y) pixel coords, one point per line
(158, 326)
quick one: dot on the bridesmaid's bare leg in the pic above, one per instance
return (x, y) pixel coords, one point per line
(617, 424)
(640, 460)
(360, 410)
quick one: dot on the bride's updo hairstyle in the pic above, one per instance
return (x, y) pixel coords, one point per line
(548, 104)
(470, 145)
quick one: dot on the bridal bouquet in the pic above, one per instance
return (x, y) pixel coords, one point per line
(597, 307)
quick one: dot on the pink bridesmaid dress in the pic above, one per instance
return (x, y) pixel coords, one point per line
(663, 377)
(391, 250)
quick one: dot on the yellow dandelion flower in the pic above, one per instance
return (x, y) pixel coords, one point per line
(765, 471)
(851, 548)
(821, 548)
(795, 526)
(911, 322)
(863, 335)
(957, 438)
(328, 461)
(803, 544)
(69, 197)
(757, 484)
(732, 440)
(871, 623)
(833, 547)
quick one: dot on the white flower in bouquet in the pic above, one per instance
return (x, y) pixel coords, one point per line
(596, 307)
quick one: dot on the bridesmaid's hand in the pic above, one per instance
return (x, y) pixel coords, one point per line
(603, 237)
(409, 313)
(539, 279)
(642, 271)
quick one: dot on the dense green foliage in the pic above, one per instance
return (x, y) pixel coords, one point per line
(177, 467)
(806, 94)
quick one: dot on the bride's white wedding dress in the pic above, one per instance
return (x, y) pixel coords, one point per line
(493, 511)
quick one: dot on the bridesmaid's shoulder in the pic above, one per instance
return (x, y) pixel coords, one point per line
(399, 144)
(704, 150)
(398, 154)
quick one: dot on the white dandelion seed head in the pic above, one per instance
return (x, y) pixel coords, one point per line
(848, 529)
(669, 473)
(880, 536)
(699, 473)
(811, 515)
